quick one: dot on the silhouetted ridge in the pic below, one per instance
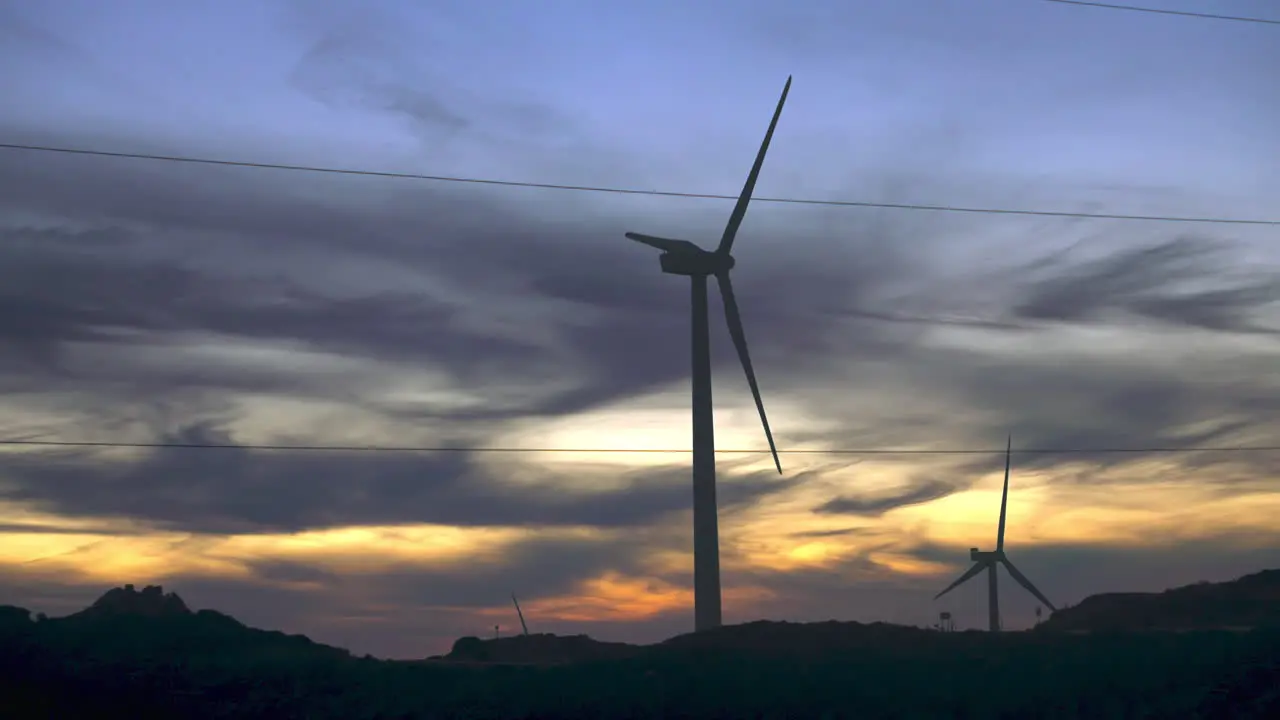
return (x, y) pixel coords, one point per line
(539, 648)
(1248, 602)
(145, 655)
(129, 623)
(152, 601)
(787, 639)
(763, 637)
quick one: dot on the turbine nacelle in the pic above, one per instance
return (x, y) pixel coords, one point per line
(693, 264)
(977, 555)
(681, 257)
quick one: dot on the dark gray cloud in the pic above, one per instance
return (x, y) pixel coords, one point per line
(1069, 409)
(839, 532)
(230, 490)
(1163, 281)
(1069, 406)
(140, 260)
(112, 271)
(535, 569)
(916, 493)
(33, 528)
(239, 262)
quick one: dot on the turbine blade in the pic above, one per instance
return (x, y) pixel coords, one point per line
(1024, 582)
(740, 210)
(523, 626)
(968, 574)
(1004, 497)
(664, 244)
(740, 342)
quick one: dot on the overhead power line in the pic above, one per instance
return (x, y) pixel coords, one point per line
(1159, 11)
(630, 191)
(648, 451)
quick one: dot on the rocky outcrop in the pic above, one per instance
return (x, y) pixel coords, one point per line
(151, 601)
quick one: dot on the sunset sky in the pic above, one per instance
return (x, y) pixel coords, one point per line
(158, 302)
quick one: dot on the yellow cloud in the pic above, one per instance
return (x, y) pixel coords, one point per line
(907, 565)
(354, 550)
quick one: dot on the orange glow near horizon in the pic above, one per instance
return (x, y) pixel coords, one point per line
(614, 597)
(1118, 506)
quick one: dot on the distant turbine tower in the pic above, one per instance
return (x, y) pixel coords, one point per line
(681, 257)
(988, 561)
(523, 627)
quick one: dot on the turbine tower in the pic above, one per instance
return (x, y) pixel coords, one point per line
(988, 561)
(681, 257)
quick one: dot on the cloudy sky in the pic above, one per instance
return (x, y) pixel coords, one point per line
(158, 302)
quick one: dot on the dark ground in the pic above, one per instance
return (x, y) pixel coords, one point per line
(145, 655)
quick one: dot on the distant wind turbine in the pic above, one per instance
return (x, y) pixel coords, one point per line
(523, 627)
(681, 257)
(988, 561)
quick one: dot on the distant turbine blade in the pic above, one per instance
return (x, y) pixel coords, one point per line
(523, 627)
(740, 210)
(970, 573)
(740, 342)
(1004, 498)
(664, 244)
(1024, 582)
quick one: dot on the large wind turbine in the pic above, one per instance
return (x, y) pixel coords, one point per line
(988, 561)
(681, 257)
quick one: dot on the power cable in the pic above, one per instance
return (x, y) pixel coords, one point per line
(1159, 11)
(649, 451)
(631, 191)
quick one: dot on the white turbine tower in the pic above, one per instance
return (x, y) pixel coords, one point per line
(988, 561)
(681, 257)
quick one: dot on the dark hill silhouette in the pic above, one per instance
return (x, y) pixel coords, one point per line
(764, 637)
(14, 617)
(147, 655)
(1246, 602)
(125, 622)
(538, 648)
(126, 601)
(800, 639)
